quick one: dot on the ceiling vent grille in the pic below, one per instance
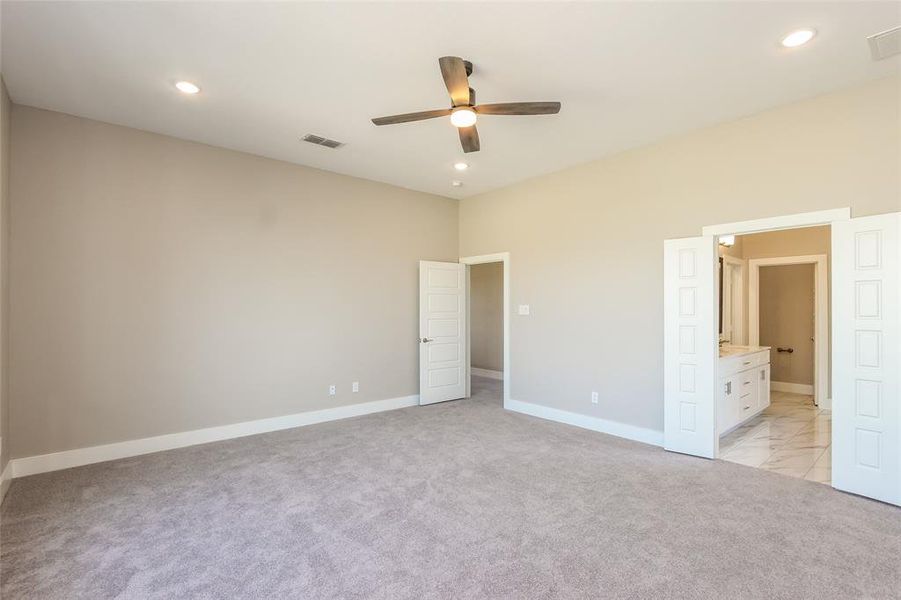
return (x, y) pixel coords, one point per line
(321, 141)
(885, 44)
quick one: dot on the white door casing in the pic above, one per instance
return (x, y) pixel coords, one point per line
(690, 345)
(866, 393)
(442, 331)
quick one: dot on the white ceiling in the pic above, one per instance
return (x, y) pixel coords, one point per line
(626, 73)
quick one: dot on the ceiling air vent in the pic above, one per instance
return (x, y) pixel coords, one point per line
(321, 141)
(885, 44)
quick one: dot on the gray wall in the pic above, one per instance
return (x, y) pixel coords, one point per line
(586, 244)
(787, 321)
(5, 107)
(486, 283)
(160, 285)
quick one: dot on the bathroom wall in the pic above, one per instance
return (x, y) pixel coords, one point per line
(806, 241)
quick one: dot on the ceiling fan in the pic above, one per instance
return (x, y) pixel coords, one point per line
(464, 110)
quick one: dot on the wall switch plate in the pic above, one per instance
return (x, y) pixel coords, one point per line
(523, 309)
(355, 387)
(332, 390)
(594, 397)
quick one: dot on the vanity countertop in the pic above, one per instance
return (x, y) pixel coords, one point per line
(728, 350)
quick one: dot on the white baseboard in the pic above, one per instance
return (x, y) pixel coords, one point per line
(639, 434)
(791, 388)
(5, 479)
(32, 465)
(487, 373)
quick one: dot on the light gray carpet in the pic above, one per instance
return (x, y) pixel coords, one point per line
(457, 500)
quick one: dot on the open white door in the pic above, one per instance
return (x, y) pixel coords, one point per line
(690, 345)
(866, 340)
(442, 331)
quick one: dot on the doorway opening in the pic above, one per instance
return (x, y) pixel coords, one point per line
(445, 333)
(486, 330)
(488, 319)
(774, 413)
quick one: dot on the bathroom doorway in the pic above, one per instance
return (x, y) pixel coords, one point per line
(865, 353)
(787, 427)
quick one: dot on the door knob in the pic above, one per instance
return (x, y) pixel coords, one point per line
(427, 340)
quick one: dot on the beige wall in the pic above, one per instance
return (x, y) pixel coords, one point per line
(5, 107)
(786, 321)
(805, 241)
(160, 285)
(586, 243)
(790, 242)
(487, 316)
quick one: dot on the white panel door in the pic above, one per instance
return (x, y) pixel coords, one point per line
(690, 345)
(866, 342)
(442, 331)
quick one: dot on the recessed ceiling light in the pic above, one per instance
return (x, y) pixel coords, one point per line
(463, 117)
(187, 87)
(461, 166)
(798, 38)
(456, 183)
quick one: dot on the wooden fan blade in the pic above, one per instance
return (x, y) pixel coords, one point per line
(454, 72)
(519, 108)
(469, 138)
(416, 116)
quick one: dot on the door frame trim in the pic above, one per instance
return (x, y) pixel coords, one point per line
(501, 257)
(821, 313)
(795, 221)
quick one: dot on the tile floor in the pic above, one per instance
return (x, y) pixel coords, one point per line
(792, 436)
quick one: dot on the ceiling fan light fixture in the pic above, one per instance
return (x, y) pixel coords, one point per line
(463, 117)
(464, 111)
(461, 166)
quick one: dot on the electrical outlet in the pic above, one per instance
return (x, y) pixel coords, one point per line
(355, 387)
(332, 390)
(594, 397)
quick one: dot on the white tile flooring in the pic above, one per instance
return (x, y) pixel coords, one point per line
(792, 436)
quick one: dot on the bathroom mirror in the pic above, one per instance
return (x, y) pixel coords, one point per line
(720, 294)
